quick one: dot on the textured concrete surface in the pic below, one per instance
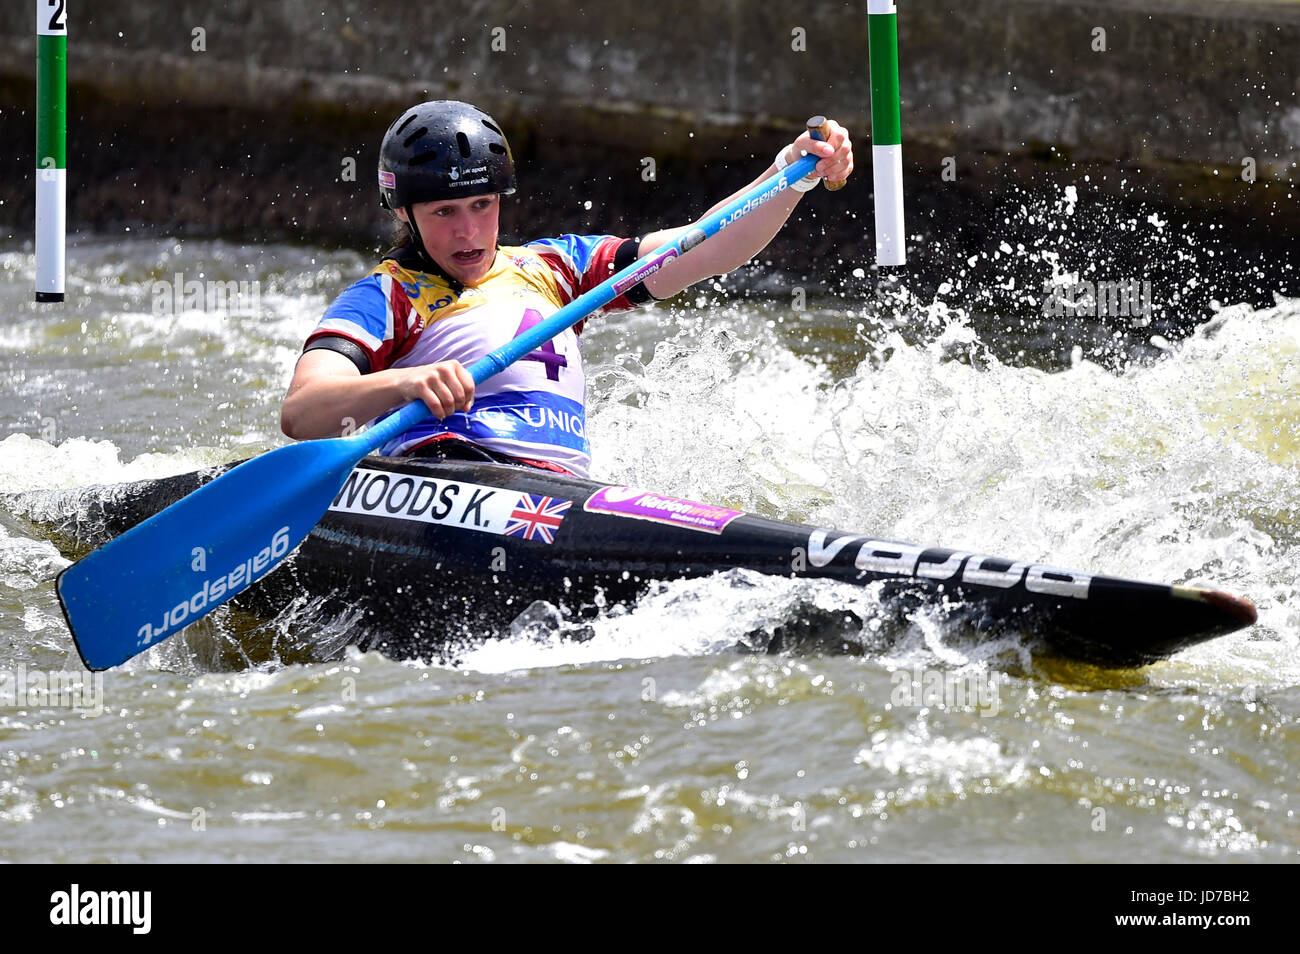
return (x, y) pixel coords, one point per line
(252, 134)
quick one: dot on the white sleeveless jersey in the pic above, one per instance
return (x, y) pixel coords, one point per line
(535, 409)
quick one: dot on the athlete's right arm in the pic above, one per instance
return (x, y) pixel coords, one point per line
(329, 395)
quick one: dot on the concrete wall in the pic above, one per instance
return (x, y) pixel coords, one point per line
(251, 133)
(1183, 92)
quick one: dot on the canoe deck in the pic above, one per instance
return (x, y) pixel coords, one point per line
(417, 553)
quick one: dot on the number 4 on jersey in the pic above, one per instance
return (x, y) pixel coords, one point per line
(546, 353)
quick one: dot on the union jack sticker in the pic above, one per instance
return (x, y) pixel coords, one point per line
(537, 518)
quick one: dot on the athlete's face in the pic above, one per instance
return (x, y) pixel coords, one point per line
(460, 234)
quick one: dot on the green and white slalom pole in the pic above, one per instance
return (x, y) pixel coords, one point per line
(886, 131)
(51, 146)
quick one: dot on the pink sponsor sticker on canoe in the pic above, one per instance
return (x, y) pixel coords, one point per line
(643, 505)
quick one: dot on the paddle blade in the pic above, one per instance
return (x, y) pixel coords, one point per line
(182, 563)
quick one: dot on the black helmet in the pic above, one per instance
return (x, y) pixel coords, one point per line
(443, 150)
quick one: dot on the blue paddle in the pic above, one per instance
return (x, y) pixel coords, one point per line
(184, 562)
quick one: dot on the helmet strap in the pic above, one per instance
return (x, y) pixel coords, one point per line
(423, 258)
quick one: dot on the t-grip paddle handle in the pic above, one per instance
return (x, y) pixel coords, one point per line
(821, 129)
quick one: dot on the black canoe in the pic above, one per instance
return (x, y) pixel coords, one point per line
(421, 551)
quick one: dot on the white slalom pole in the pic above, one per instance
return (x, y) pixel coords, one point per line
(51, 147)
(886, 132)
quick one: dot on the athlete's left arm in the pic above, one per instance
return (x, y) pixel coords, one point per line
(738, 243)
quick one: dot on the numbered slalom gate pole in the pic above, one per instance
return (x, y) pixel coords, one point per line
(51, 146)
(886, 131)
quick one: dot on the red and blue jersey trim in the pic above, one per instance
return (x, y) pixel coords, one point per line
(580, 262)
(376, 314)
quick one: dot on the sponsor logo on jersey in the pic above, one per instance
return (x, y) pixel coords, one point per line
(506, 419)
